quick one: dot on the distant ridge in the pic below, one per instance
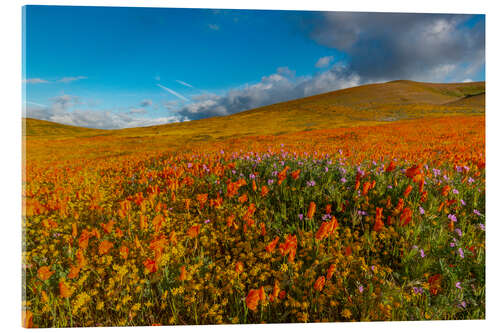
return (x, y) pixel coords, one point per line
(366, 104)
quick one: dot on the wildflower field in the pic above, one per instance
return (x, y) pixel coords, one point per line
(367, 223)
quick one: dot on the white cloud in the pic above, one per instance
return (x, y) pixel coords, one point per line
(324, 62)
(64, 110)
(277, 87)
(68, 79)
(35, 81)
(137, 111)
(215, 27)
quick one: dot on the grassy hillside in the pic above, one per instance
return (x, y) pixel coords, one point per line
(363, 105)
(42, 128)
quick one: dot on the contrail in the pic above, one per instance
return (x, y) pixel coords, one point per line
(173, 92)
(184, 83)
(43, 106)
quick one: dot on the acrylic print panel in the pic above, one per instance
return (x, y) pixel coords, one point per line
(182, 168)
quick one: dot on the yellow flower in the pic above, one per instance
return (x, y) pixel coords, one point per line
(346, 313)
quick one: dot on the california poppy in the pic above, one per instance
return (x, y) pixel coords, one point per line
(104, 247)
(320, 283)
(44, 273)
(150, 265)
(193, 231)
(252, 299)
(311, 210)
(65, 291)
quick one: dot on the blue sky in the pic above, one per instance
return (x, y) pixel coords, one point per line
(110, 67)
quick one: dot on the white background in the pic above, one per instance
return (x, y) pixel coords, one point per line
(10, 174)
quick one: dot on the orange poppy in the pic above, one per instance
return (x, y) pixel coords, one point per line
(320, 283)
(74, 230)
(108, 227)
(406, 216)
(182, 275)
(270, 247)
(74, 271)
(243, 198)
(104, 247)
(311, 210)
(264, 190)
(150, 265)
(407, 191)
(239, 267)
(282, 175)
(194, 231)
(252, 299)
(295, 174)
(379, 224)
(329, 273)
(124, 251)
(65, 291)
(44, 273)
(27, 319)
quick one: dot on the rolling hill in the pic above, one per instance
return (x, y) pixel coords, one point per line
(363, 105)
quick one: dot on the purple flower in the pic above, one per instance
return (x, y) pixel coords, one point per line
(452, 217)
(436, 172)
(361, 212)
(459, 232)
(360, 288)
(207, 221)
(462, 304)
(373, 268)
(481, 226)
(470, 180)
(270, 181)
(452, 244)
(418, 290)
(477, 212)
(389, 186)
(326, 169)
(455, 191)
(343, 180)
(301, 217)
(421, 210)
(462, 202)
(190, 165)
(252, 176)
(458, 285)
(422, 254)
(311, 183)
(326, 217)
(461, 253)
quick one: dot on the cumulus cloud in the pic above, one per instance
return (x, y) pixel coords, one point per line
(67, 110)
(35, 81)
(277, 87)
(324, 62)
(387, 46)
